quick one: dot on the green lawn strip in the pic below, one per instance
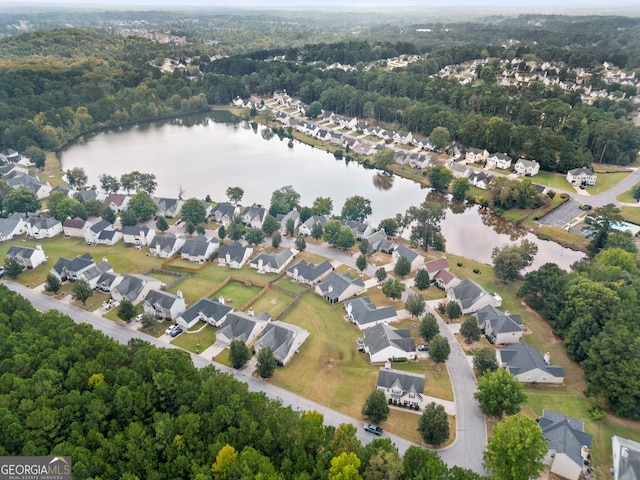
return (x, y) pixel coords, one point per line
(627, 196)
(552, 180)
(631, 214)
(236, 294)
(163, 277)
(223, 358)
(93, 302)
(431, 293)
(204, 337)
(607, 180)
(272, 302)
(288, 284)
(380, 299)
(157, 329)
(183, 265)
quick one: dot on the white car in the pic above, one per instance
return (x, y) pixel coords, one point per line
(139, 317)
(171, 329)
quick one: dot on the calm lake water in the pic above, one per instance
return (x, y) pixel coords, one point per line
(204, 155)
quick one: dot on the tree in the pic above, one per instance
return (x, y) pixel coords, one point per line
(52, 284)
(82, 291)
(128, 218)
(393, 288)
(439, 177)
(276, 239)
(459, 188)
(356, 208)
(510, 260)
(266, 363)
(76, 177)
(254, 236)
(383, 465)
(222, 232)
(470, 330)
(314, 110)
(484, 360)
(600, 224)
(516, 450)
(21, 200)
(93, 207)
(402, 266)
(544, 290)
(389, 225)
(109, 183)
(345, 439)
(161, 224)
(224, 459)
(62, 207)
(636, 194)
(376, 407)
(235, 194)
(346, 238)
(383, 158)
(439, 349)
(422, 280)
(331, 231)
(415, 305)
(345, 466)
(200, 230)
(499, 392)
(361, 263)
(284, 200)
(142, 205)
(238, 353)
(126, 310)
(381, 274)
(290, 227)
(12, 268)
(426, 230)
(317, 231)
(194, 211)
(235, 231)
(365, 248)
(453, 310)
(270, 225)
(428, 327)
(301, 244)
(108, 214)
(434, 424)
(440, 138)
(322, 206)
(147, 182)
(36, 155)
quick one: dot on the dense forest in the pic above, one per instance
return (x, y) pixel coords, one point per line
(139, 412)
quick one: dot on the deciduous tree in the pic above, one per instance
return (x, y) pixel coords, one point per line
(235, 194)
(345, 466)
(356, 208)
(322, 206)
(433, 424)
(109, 183)
(402, 267)
(389, 225)
(266, 363)
(76, 177)
(284, 200)
(376, 408)
(82, 291)
(126, 310)
(142, 205)
(422, 280)
(393, 288)
(510, 260)
(12, 268)
(238, 353)
(499, 392)
(254, 236)
(439, 177)
(270, 225)
(428, 327)
(470, 330)
(439, 349)
(459, 188)
(301, 244)
(426, 230)
(415, 305)
(161, 224)
(361, 263)
(52, 284)
(276, 239)
(484, 360)
(21, 200)
(381, 274)
(453, 310)
(193, 211)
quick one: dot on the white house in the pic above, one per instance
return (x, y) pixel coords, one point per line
(499, 328)
(414, 258)
(383, 342)
(626, 458)
(528, 168)
(209, 311)
(27, 257)
(567, 442)
(47, 227)
(164, 304)
(581, 176)
(400, 387)
(272, 262)
(138, 235)
(476, 155)
(472, 297)
(340, 286)
(306, 228)
(75, 227)
(364, 313)
(528, 365)
(242, 326)
(12, 226)
(166, 246)
(499, 160)
(234, 255)
(117, 202)
(284, 340)
(199, 249)
(309, 273)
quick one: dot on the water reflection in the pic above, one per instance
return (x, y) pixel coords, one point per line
(267, 133)
(383, 180)
(500, 225)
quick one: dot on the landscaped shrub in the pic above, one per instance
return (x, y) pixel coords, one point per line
(476, 270)
(459, 264)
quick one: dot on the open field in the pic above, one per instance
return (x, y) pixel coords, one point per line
(237, 293)
(272, 302)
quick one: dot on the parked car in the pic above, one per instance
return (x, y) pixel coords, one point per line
(139, 317)
(176, 331)
(370, 427)
(169, 330)
(423, 348)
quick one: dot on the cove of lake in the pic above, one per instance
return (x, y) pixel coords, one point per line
(205, 154)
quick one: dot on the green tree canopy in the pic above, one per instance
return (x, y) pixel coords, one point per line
(235, 194)
(440, 138)
(510, 260)
(433, 424)
(21, 200)
(284, 200)
(161, 224)
(12, 268)
(426, 230)
(322, 206)
(356, 208)
(52, 284)
(254, 236)
(470, 330)
(402, 267)
(439, 349)
(126, 310)
(82, 291)
(422, 280)
(266, 363)
(393, 288)
(194, 211)
(361, 263)
(428, 327)
(439, 177)
(415, 305)
(381, 274)
(485, 360)
(238, 353)
(142, 205)
(76, 177)
(499, 392)
(376, 408)
(270, 225)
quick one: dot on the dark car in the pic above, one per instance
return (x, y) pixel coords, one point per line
(175, 332)
(370, 427)
(423, 348)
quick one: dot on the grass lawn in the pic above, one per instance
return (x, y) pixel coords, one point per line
(157, 329)
(183, 264)
(553, 180)
(223, 358)
(606, 181)
(631, 214)
(290, 285)
(93, 302)
(164, 277)
(627, 197)
(237, 293)
(272, 302)
(381, 300)
(190, 340)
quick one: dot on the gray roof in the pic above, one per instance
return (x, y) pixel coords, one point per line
(280, 337)
(522, 357)
(581, 171)
(364, 311)
(97, 270)
(208, 308)
(87, 195)
(358, 227)
(339, 283)
(164, 242)
(166, 206)
(131, 286)
(107, 279)
(139, 229)
(527, 163)
(500, 321)
(379, 241)
(381, 336)
(309, 271)
(273, 260)
(8, 225)
(73, 265)
(224, 209)
(407, 253)
(254, 212)
(43, 223)
(196, 247)
(397, 379)
(239, 325)
(100, 226)
(468, 292)
(160, 298)
(628, 460)
(311, 221)
(20, 254)
(107, 234)
(500, 156)
(236, 251)
(564, 434)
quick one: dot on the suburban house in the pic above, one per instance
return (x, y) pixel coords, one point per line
(528, 365)
(499, 328)
(383, 342)
(272, 262)
(567, 442)
(340, 286)
(117, 202)
(199, 249)
(414, 258)
(75, 227)
(253, 216)
(400, 387)
(306, 227)
(46, 227)
(27, 257)
(223, 213)
(476, 155)
(528, 168)
(166, 246)
(168, 207)
(108, 281)
(138, 235)
(480, 180)
(360, 230)
(379, 242)
(499, 160)
(626, 458)
(164, 304)
(134, 287)
(234, 255)
(30, 182)
(581, 176)
(283, 219)
(90, 194)
(439, 273)
(12, 226)
(242, 326)
(419, 161)
(94, 274)
(284, 340)
(102, 232)
(472, 297)
(460, 170)
(434, 266)
(71, 268)
(213, 312)
(303, 272)
(363, 312)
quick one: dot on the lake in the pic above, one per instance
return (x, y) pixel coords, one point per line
(205, 154)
